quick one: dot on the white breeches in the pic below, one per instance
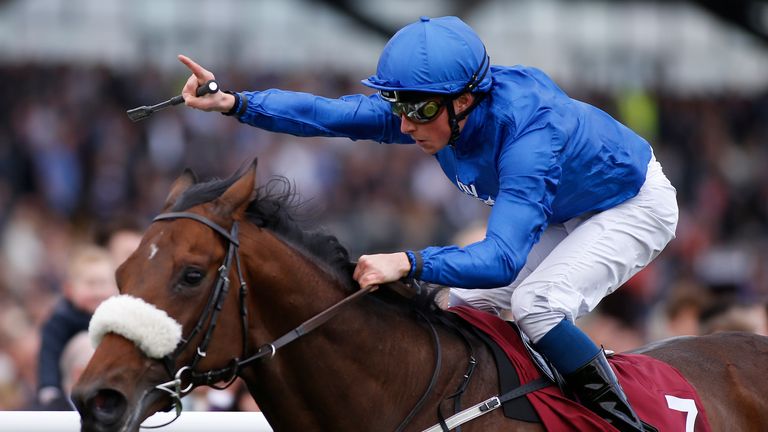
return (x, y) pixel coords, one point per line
(577, 263)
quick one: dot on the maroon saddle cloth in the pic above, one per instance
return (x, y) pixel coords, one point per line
(660, 395)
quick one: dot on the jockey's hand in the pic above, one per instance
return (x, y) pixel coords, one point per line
(218, 101)
(381, 268)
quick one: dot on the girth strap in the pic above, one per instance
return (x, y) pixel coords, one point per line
(489, 405)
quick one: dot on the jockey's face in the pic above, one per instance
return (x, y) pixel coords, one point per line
(430, 137)
(433, 136)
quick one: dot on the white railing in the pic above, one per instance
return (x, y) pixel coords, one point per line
(190, 421)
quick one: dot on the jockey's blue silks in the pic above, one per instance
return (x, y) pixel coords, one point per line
(536, 155)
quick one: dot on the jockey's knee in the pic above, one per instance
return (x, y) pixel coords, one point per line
(534, 314)
(522, 303)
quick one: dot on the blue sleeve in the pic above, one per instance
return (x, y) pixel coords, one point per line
(528, 179)
(304, 114)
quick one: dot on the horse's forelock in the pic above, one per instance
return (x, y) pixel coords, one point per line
(202, 193)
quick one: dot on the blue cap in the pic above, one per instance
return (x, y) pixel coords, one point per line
(436, 55)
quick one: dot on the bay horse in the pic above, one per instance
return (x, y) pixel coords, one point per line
(364, 367)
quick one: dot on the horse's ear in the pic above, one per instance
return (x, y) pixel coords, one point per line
(182, 183)
(240, 194)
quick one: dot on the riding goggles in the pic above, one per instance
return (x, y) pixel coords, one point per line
(419, 111)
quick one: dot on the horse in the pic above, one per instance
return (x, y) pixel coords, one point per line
(315, 351)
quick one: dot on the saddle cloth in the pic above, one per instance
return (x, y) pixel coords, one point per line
(660, 395)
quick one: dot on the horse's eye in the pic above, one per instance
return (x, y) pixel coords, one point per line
(192, 277)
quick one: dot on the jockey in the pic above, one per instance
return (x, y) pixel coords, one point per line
(579, 202)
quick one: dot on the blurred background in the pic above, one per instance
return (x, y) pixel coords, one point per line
(689, 76)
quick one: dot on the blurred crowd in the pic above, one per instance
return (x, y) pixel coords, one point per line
(75, 173)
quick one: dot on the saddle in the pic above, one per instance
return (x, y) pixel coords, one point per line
(426, 296)
(655, 389)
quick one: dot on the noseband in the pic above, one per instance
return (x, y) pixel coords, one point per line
(212, 310)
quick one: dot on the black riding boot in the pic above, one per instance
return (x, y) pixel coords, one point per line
(596, 387)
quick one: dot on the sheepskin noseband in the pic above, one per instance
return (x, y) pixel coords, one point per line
(150, 328)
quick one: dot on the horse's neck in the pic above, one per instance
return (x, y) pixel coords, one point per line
(287, 288)
(345, 365)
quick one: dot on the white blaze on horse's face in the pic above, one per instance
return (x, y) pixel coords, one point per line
(153, 251)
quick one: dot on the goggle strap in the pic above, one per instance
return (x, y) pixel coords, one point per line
(484, 67)
(454, 119)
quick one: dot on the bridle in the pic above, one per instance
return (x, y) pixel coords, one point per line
(176, 387)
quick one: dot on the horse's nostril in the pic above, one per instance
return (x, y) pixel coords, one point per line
(107, 406)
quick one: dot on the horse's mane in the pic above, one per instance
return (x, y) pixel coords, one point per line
(276, 208)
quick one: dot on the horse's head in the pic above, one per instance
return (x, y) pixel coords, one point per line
(165, 328)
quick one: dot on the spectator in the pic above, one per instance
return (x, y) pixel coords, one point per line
(684, 309)
(120, 239)
(727, 315)
(122, 244)
(90, 281)
(74, 359)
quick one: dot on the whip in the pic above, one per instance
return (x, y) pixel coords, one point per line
(142, 112)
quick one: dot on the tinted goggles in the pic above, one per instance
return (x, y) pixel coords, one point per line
(419, 112)
(417, 106)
